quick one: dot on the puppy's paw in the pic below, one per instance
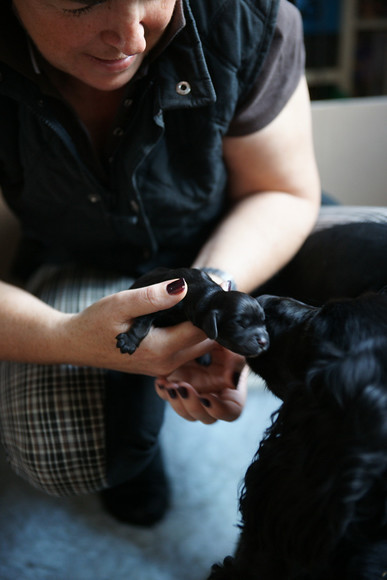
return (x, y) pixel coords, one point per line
(126, 343)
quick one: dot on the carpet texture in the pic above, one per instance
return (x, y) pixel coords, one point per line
(46, 538)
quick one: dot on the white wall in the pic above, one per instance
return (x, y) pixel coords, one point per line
(350, 138)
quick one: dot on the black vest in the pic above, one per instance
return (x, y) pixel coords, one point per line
(166, 182)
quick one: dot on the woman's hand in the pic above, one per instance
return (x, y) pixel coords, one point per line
(92, 333)
(210, 392)
(34, 332)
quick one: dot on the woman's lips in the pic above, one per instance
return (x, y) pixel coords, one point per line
(114, 65)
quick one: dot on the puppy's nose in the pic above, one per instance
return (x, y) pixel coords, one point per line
(263, 340)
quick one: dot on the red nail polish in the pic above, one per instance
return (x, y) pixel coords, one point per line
(176, 287)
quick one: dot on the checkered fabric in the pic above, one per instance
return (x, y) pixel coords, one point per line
(52, 417)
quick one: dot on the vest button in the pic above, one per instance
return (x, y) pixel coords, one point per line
(134, 205)
(93, 198)
(118, 132)
(183, 88)
(128, 103)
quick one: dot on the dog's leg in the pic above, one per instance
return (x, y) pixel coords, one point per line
(128, 342)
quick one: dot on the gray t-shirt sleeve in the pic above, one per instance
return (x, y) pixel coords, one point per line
(280, 75)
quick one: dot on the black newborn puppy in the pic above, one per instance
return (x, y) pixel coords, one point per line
(234, 319)
(314, 502)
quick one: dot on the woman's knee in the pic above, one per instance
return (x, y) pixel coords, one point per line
(52, 427)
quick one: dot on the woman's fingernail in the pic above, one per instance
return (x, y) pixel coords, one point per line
(176, 287)
(172, 393)
(205, 402)
(183, 392)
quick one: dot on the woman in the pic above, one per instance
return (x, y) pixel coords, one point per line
(137, 133)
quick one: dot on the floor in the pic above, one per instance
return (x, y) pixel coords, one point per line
(45, 538)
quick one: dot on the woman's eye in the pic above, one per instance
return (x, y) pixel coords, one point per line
(77, 11)
(83, 9)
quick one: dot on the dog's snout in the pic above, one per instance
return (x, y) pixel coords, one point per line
(263, 340)
(259, 343)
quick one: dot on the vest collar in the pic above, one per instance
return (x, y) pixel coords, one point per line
(182, 74)
(14, 49)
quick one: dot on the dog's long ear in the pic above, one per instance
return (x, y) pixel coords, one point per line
(210, 324)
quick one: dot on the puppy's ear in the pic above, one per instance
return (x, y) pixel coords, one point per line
(210, 324)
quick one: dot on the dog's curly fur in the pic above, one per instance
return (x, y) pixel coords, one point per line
(314, 500)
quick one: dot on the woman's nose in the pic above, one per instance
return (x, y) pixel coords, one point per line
(124, 30)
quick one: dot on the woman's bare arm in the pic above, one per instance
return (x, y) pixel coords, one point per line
(275, 194)
(32, 331)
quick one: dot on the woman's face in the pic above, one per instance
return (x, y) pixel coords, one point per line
(99, 42)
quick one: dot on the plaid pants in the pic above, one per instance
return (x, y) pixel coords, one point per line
(53, 419)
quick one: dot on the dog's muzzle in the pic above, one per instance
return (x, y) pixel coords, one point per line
(262, 342)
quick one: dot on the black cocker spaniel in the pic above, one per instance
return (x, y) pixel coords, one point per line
(314, 500)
